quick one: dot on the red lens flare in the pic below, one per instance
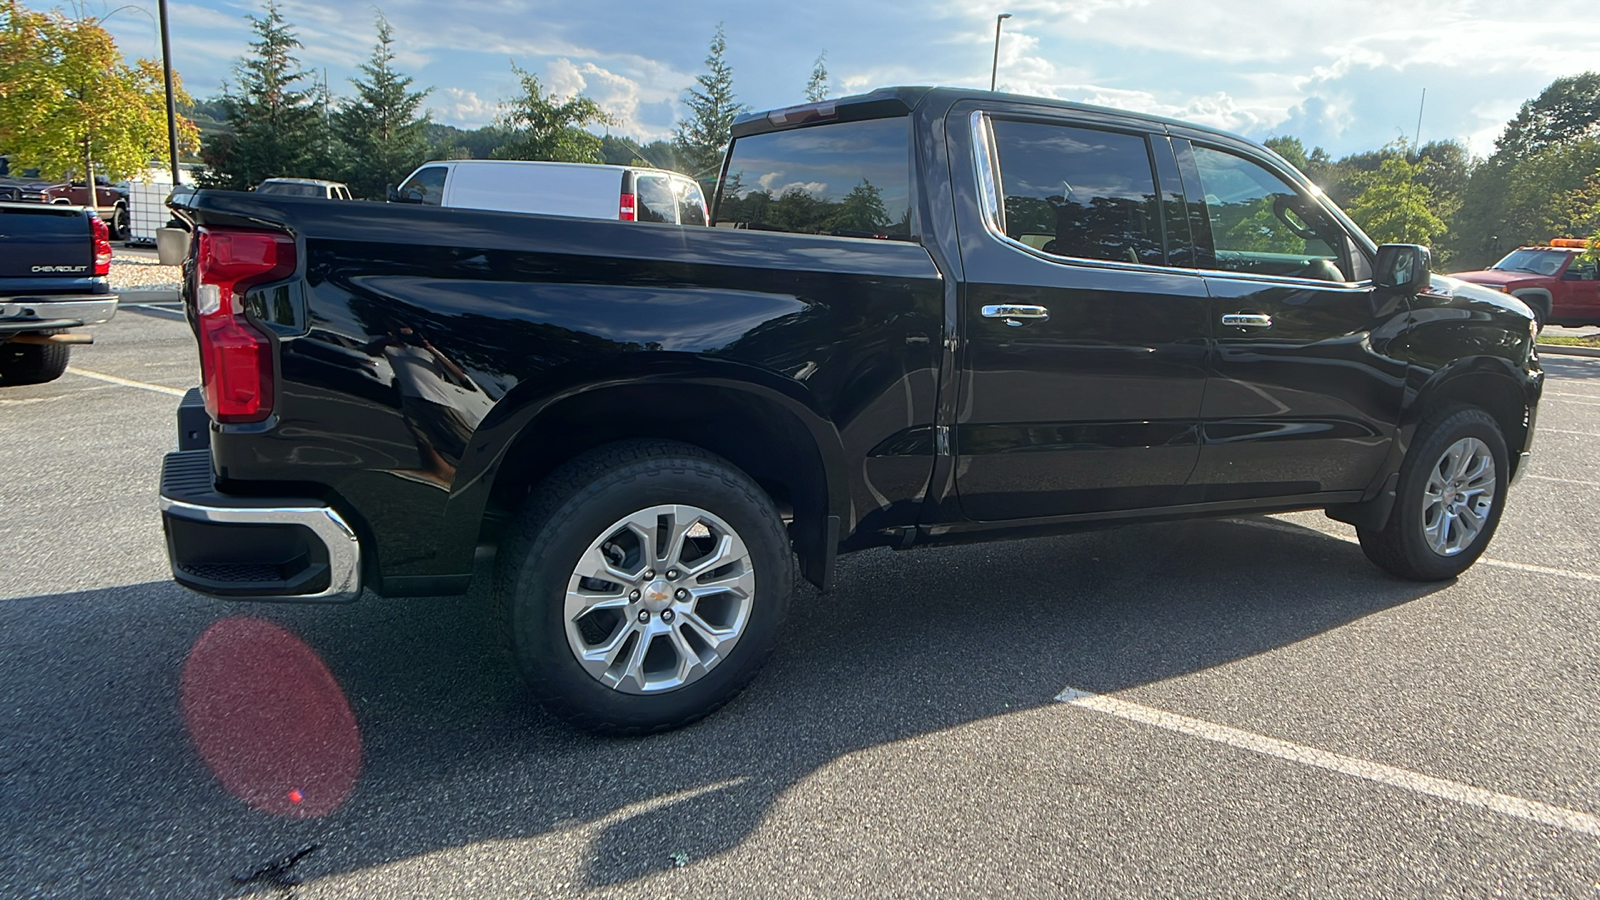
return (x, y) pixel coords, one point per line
(269, 720)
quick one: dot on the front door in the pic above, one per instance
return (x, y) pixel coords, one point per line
(1084, 353)
(1302, 397)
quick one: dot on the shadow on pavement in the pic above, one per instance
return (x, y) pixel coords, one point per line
(103, 793)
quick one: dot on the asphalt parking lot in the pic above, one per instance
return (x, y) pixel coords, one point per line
(1238, 708)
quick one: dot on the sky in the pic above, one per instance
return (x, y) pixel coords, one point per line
(1346, 75)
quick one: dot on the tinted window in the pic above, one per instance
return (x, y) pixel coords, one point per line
(691, 203)
(1260, 224)
(291, 189)
(427, 186)
(848, 178)
(1079, 192)
(654, 201)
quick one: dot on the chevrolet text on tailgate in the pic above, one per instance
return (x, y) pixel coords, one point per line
(922, 316)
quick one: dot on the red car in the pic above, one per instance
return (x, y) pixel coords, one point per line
(1557, 281)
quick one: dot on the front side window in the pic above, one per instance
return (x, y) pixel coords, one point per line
(1261, 225)
(1079, 192)
(427, 186)
(847, 178)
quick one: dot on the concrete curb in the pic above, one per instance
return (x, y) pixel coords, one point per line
(1563, 350)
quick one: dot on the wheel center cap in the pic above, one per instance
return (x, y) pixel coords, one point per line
(656, 596)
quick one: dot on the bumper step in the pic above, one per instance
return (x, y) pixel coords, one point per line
(253, 548)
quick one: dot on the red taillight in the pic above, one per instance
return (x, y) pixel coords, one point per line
(625, 210)
(102, 245)
(236, 358)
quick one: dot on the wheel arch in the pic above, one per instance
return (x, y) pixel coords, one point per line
(1540, 300)
(790, 450)
(1489, 384)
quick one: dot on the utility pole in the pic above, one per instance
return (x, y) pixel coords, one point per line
(166, 71)
(994, 69)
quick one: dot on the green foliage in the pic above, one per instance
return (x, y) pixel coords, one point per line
(1566, 111)
(817, 86)
(621, 151)
(70, 105)
(703, 137)
(1251, 226)
(380, 126)
(275, 126)
(544, 127)
(1290, 149)
(1393, 205)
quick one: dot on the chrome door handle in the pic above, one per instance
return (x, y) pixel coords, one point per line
(1013, 312)
(1247, 320)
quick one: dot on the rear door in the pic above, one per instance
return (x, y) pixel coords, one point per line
(1084, 351)
(1302, 397)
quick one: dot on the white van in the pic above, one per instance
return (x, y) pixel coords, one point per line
(624, 193)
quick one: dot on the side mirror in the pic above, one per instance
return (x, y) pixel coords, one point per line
(392, 193)
(1403, 267)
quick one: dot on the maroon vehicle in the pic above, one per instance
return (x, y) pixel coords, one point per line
(110, 201)
(1557, 281)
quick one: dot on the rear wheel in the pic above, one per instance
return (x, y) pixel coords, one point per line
(643, 586)
(1448, 502)
(32, 363)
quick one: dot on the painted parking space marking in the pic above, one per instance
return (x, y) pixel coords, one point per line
(1588, 434)
(126, 382)
(1355, 767)
(175, 313)
(1285, 527)
(1563, 480)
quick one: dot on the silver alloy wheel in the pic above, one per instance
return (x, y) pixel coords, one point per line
(658, 599)
(1458, 497)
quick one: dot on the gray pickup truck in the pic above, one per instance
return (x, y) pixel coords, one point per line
(54, 263)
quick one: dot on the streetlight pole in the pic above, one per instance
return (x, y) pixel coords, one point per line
(166, 70)
(994, 70)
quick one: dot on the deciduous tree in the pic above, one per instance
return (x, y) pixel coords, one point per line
(1393, 205)
(70, 105)
(546, 127)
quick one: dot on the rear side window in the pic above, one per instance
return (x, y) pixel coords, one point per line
(1079, 192)
(654, 201)
(691, 203)
(848, 178)
(427, 186)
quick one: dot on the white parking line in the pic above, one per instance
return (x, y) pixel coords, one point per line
(1563, 480)
(163, 310)
(1543, 430)
(1273, 525)
(1394, 776)
(126, 382)
(1587, 401)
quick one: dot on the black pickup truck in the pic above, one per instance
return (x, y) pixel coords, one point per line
(54, 263)
(923, 316)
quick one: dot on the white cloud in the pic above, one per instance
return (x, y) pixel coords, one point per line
(463, 109)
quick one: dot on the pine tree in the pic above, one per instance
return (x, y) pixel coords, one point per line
(275, 126)
(543, 126)
(380, 129)
(817, 87)
(703, 137)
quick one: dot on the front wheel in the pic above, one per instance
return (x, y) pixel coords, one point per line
(1448, 502)
(118, 226)
(643, 586)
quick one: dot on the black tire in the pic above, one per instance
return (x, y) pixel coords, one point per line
(577, 506)
(118, 226)
(1540, 304)
(1402, 547)
(32, 363)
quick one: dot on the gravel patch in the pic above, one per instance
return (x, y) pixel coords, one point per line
(138, 273)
